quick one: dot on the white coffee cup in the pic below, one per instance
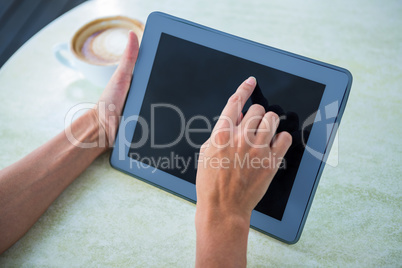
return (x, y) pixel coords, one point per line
(95, 49)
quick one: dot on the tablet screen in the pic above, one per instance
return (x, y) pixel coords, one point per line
(188, 87)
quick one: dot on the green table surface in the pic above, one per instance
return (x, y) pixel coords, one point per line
(106, 218)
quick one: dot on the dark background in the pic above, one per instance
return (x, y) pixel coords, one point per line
(21, 19)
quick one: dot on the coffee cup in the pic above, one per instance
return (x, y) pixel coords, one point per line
(96, 48)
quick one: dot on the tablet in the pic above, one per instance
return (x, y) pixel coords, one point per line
(184, 75)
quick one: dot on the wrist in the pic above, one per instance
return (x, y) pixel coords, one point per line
(98, 129)
(212, 217)
(221, 238)
(215, 212)
(86, 133)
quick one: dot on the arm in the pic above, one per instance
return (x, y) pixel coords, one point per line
(227, 190)
(29, 186)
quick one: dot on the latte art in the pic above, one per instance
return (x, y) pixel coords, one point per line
(105, 46)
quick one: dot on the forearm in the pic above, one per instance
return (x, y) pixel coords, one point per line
(221, 240)
(29, 186)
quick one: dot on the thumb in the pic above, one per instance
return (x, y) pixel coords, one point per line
(117, 88)
(129, 57)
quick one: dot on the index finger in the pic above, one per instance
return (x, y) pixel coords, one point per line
(235, 104)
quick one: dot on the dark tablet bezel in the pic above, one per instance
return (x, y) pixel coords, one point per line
(337, 80)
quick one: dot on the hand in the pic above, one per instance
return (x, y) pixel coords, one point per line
(233, 179)
(235, 167)
(110, 105)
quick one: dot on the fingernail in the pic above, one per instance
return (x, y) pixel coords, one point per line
(251, 81)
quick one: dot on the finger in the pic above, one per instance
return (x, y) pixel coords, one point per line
(268, 126)
(117, 88)
(239, 118)
(281, 143)
(252, 119)
(235, 104)
(129, 57)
